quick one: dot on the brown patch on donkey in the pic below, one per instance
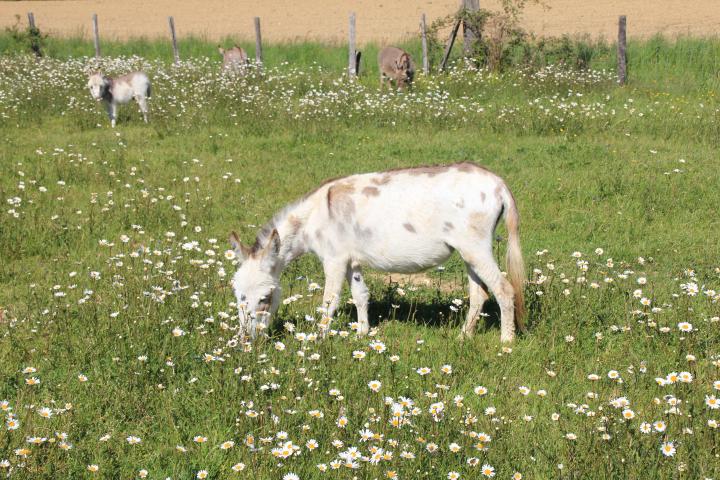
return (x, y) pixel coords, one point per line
(370, 191)
(339, 199)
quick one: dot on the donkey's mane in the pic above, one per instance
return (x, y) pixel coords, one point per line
(264, 234)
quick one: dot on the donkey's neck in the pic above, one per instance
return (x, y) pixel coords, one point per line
(290, 223)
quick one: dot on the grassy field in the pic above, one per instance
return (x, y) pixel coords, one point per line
(120, 354)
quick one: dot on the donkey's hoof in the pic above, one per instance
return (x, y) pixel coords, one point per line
(464, 336)
(507, 338)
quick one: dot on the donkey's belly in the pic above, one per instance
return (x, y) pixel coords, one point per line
(404, 258)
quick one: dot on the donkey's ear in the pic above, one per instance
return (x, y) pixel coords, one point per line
(273, 245)
(271, 251)
(240, 250)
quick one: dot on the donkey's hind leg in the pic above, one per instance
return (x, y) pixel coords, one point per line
(477, 291)
(142, 102)
(361, 296)
(482, 264)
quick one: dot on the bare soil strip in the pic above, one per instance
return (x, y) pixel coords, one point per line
(382, 21)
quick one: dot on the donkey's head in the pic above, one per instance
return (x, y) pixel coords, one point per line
(98, 85)
(257, 282)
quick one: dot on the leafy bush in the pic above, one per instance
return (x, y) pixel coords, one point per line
(24, 40)
(501, 43)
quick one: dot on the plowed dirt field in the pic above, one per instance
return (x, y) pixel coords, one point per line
(383, 21)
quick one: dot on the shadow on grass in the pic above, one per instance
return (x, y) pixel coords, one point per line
(430, 312)
(429, 309)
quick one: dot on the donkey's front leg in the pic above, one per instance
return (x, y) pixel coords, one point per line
(361, 296)
(334, 276)
(112, 112)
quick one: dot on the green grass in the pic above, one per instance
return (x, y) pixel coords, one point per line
(588, 171)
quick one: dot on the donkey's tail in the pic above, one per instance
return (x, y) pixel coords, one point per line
(514, 261)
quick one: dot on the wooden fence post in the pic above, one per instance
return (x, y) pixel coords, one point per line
(469, 37)
(621, 51)
(176, 52)
(258, 44)
(448, 47)
(425, 59)
(96, 33)
(34, 35)
(352, 55)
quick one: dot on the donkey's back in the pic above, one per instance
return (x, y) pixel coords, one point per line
(411, 219)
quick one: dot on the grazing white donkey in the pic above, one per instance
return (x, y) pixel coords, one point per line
(120, 90)
(235, 58)
(396, 221)
(395, 64)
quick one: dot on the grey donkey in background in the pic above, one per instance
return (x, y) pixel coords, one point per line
(395, 64)
(235, 58)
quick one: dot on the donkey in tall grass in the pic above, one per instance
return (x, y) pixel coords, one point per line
(400, 221)
(395, 64)
(234, 59)
(120, 90)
